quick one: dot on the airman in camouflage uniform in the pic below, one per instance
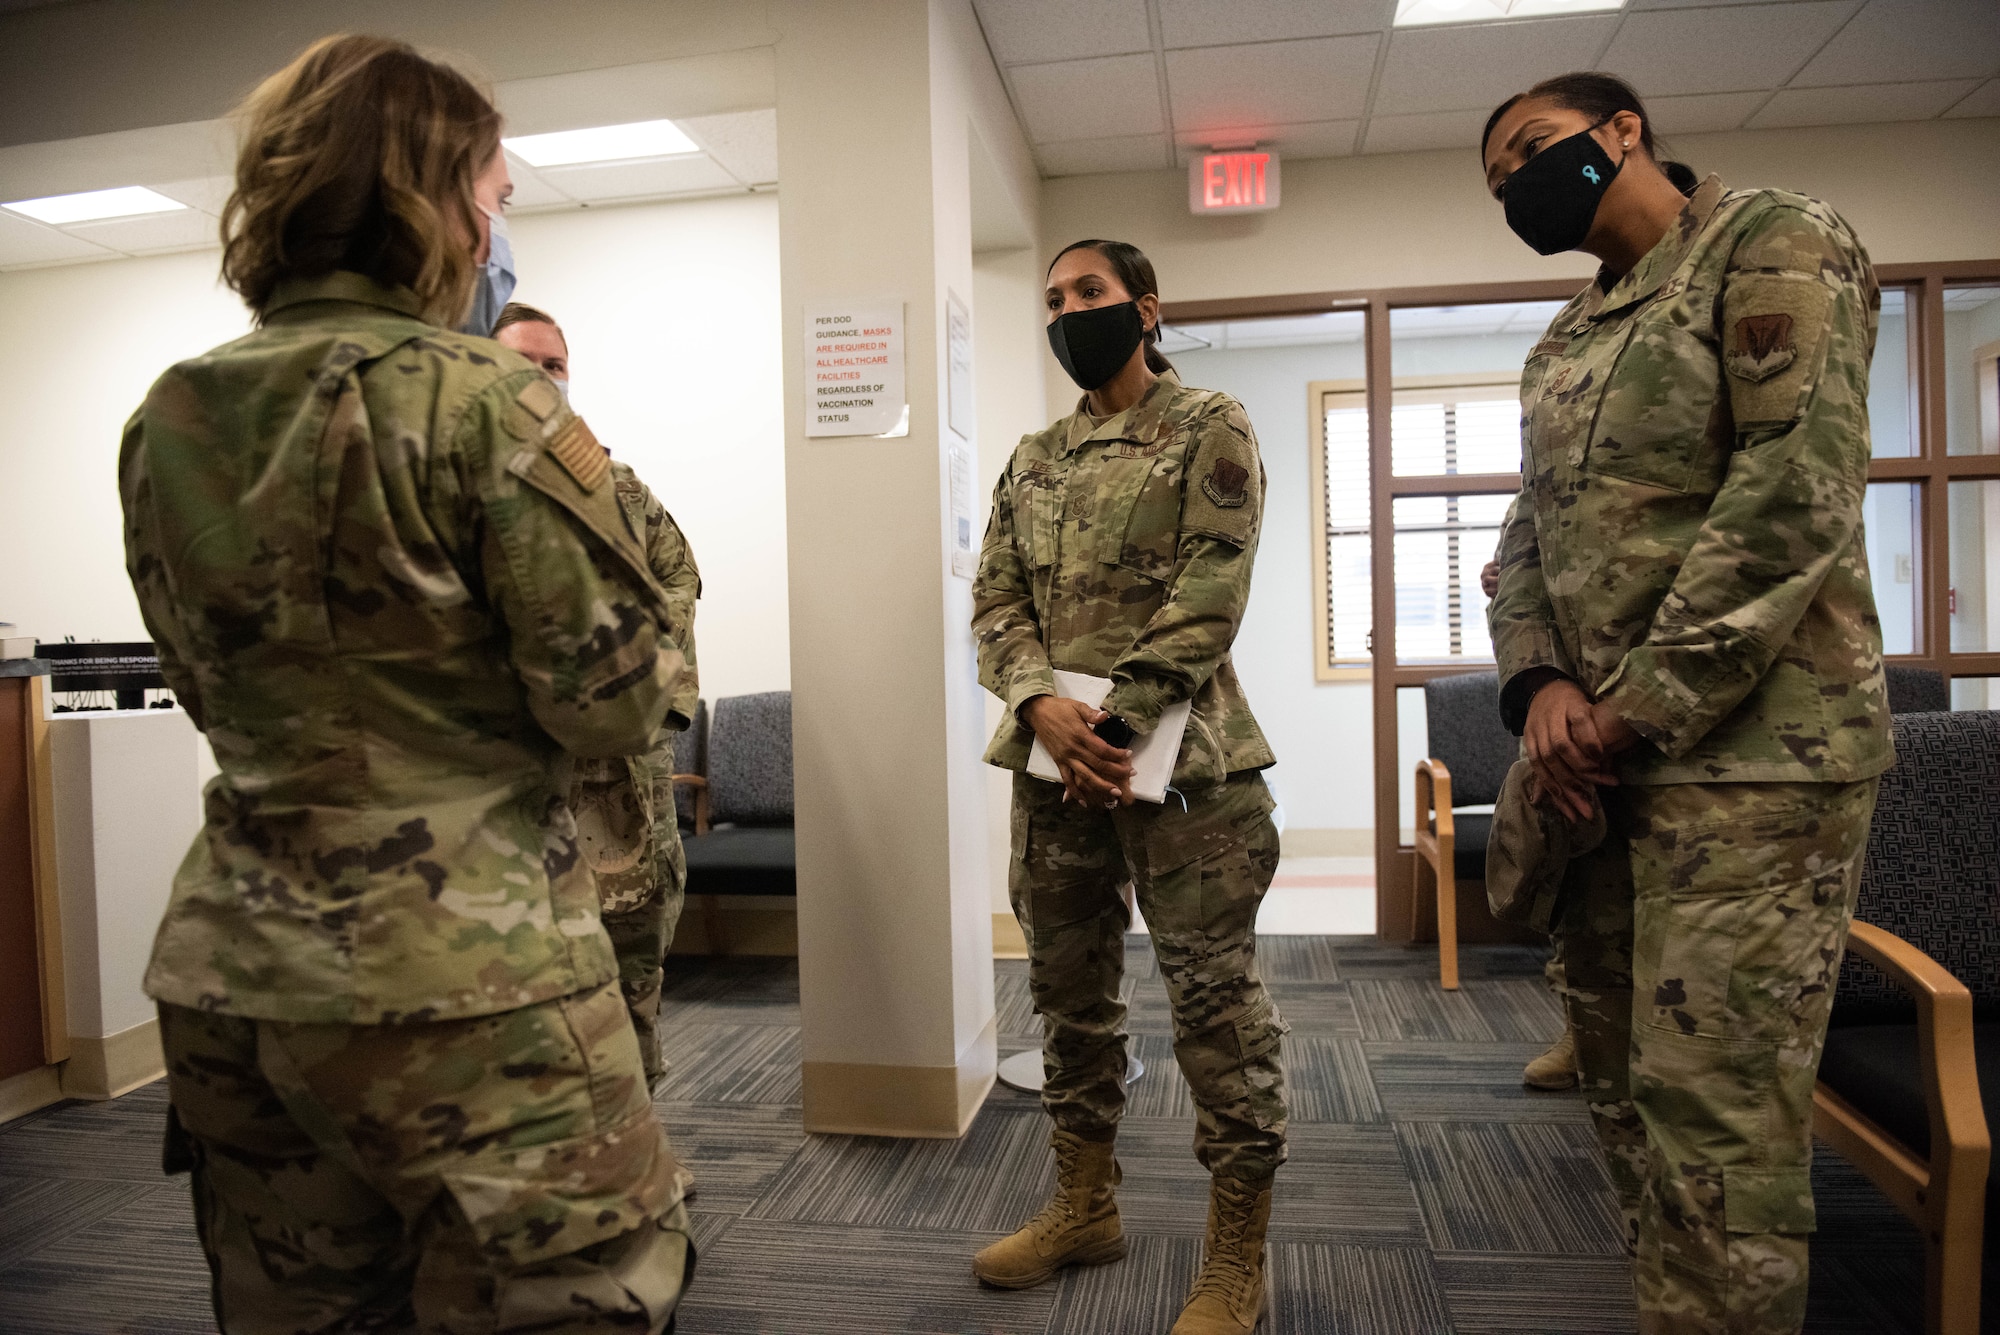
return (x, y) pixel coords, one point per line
(624, 806)
(388, 576)
(1123, 548)
(1688, 548)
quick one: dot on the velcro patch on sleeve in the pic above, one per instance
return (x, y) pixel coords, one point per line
(1226, 483)
(540, 399)
(1774, 327)
(577, 450)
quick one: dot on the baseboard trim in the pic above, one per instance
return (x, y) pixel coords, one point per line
(29, 1092)
(1009, 941)
(910, 1102)
(104, 1068)
(735, 931)
(1327, 843)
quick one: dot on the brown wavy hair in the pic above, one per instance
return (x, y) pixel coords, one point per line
(360, 155)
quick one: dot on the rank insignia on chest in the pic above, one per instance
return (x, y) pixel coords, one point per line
(577, 450)
(1761, 346)
(1226, 482)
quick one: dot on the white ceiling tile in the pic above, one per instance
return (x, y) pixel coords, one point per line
(1314, 139)
(1089, 99)
(744, 142)
(531, 190)
(1721, 50)
(1434, 129)
(1087, 157)
(1482, 65)
(1901, 40)
(1024, 31)
(188, 229)
(1867, 102)
(638, 180)
(24, 241)
(1225, 22)
(1271, 83)
(1702, 112)
(1985, 101)
(207, 193)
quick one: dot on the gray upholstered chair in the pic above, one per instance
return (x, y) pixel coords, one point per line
(1915, 690)
(1912, 1060)
(1470, 751)
(742, 839)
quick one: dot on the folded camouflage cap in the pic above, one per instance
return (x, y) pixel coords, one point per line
(1530, 848)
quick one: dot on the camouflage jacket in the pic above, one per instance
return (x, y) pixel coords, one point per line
(1687, 543)
(1124, 551)
(389, 578)
(625, 805)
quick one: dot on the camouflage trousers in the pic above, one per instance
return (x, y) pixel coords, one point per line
(641, 935)
(464, 1177)
(1199, 875)
(1699, 945)
(627, 830)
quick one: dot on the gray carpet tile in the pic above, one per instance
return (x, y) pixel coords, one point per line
(118, 1140)
(1482, 1010)
(788, 1278)
(40, 1211)
(1328, 1080)
(731, 1063)
(1305, 959)
(1426, 1190)
(1497, 1294)
(733, 1150)
(1512, 1187)
(1475, 1082)
(135, 1271)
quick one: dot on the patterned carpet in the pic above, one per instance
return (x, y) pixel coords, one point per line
(1427, 1191)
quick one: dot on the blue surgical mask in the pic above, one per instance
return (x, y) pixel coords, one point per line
(562, 388)
(496, 280)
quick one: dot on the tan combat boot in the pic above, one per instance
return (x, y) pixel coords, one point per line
(1556, 1068)
(1079, 1225)
(1229, 1296)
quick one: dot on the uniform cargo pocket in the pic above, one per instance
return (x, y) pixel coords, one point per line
(1767, 1200)
(543, 1201)
(1658, 423)
(1138, 514)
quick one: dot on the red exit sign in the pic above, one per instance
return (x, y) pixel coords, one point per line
(1233, 182)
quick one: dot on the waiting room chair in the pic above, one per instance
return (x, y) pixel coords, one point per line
(738, 813)
(1912, 1058)
(1457, 785)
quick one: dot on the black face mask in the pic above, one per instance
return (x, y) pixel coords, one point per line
(1094, 345)
(1552, 201)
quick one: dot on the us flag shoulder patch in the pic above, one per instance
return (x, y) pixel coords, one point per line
(577, 450)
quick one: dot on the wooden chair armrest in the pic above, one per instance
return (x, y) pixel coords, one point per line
(1960, 1143)
(1434, 796)
(700, 785)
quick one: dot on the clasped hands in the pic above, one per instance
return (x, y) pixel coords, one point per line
(1571, 743)
(1093, 770)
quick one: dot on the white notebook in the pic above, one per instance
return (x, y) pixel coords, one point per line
(1153, 755)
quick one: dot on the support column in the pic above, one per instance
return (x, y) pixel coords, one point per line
(895, 937)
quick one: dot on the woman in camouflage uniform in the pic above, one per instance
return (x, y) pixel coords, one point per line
(1686, 633)
(1121, 546)
(388, 577)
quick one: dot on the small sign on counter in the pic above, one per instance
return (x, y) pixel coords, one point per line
(854, 369)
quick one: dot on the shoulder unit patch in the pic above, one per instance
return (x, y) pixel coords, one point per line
(1761, 346)
(1225, 483)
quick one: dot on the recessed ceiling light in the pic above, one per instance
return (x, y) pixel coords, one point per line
(605, 143)
(127, 201)
(1421, 13)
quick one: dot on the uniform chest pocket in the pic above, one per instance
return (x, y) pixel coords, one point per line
(1137, 519)
(1037, 515)
(1659, 419)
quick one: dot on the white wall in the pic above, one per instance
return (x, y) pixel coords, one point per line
(673, 320)
(672, 314)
